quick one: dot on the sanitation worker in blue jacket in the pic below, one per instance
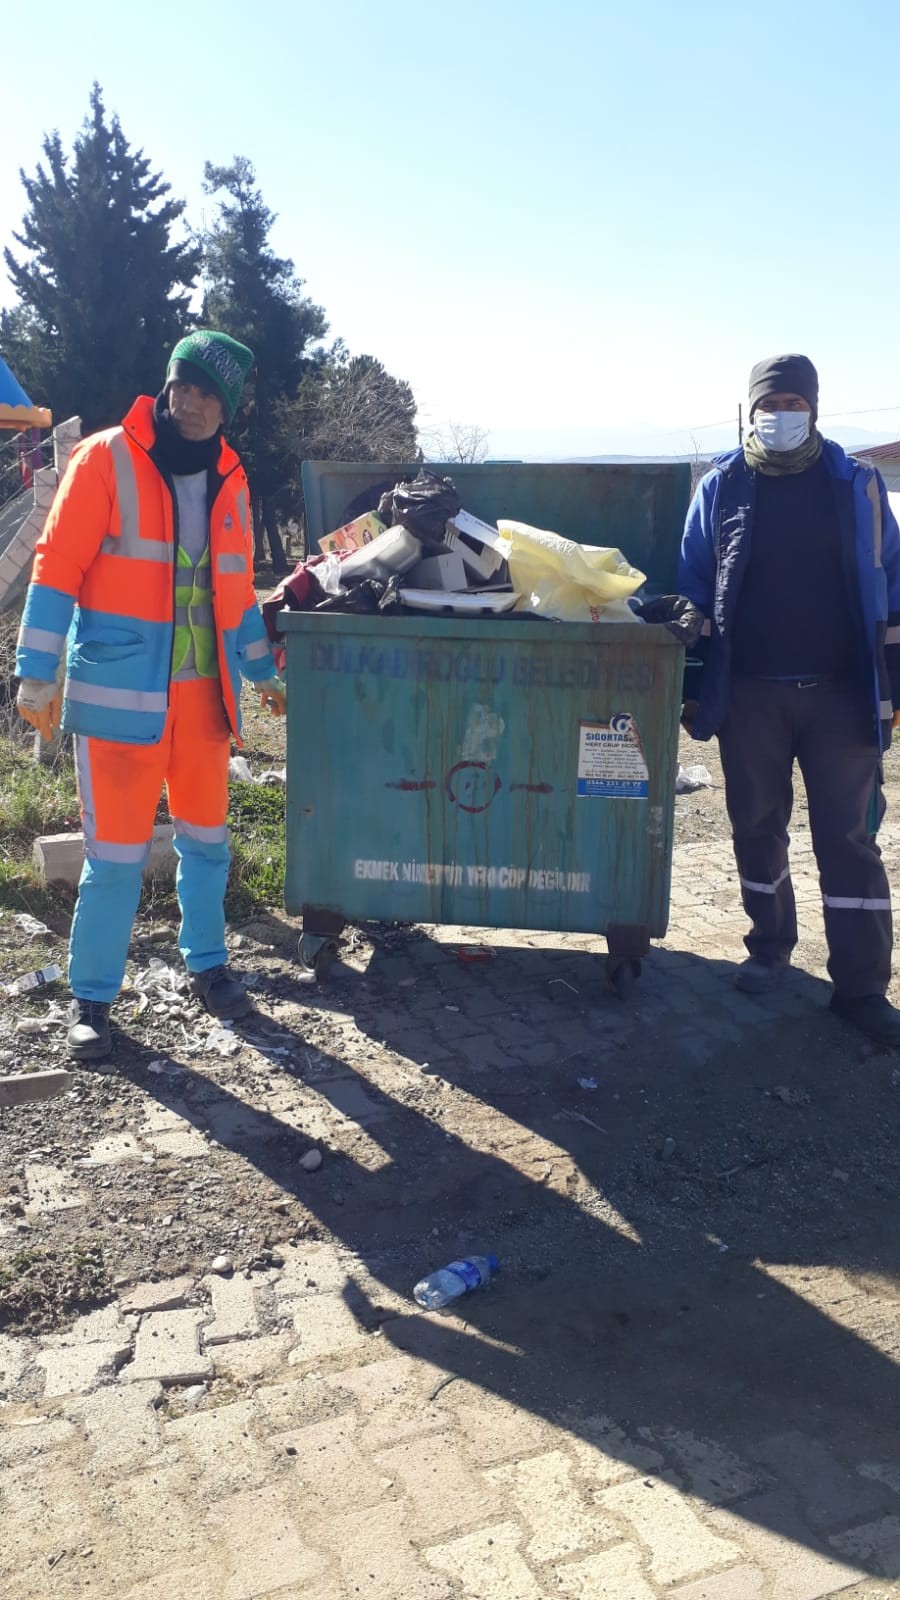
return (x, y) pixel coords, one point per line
(792, 551)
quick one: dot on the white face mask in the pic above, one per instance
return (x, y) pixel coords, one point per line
(782, 430)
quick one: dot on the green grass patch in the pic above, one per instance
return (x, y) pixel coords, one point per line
(34, 800)
(256, 818)
(39, 1287)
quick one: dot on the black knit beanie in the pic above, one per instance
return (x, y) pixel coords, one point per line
(785, 375)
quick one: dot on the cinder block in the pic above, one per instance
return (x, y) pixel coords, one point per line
(58, 857)
(21, 548)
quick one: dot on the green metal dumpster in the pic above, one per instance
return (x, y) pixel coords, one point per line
(491, 772)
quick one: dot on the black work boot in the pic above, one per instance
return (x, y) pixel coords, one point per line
(755, 976)
(872, 1014)
(222, 994)
(89, 1037)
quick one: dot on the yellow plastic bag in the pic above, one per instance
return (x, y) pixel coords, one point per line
(555, 577)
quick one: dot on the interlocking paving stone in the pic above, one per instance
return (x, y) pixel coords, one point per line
(611, 1575)
(234, 1307)
(875, 1543)
(680, 1545)
(797, 1570)
(377, 1559)
(263, 1547)
(73, 1369)
(546, 1494)
(121, 1425)
(167, 1347)
(488, 1564)
(826, 1490)
(738, 1583)
(164, 1296)
(444, 1492)
(50, 1189)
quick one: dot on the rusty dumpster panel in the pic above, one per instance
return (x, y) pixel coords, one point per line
(493, 773)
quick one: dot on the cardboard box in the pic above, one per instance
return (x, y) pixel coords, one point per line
(474, 528)
(477, 543)
(439, 572)
(353, 535)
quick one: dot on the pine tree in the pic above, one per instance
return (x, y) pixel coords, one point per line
(103, 287)
(257, 297)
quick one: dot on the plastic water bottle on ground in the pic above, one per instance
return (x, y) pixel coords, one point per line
(439, 1289)
(35, 980)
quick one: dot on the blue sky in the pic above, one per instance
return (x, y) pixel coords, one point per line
(574, 224)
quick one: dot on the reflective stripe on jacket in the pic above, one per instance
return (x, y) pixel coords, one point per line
(715, 551)
(104, 569)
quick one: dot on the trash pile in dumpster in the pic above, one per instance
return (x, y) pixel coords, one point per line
(421, 551)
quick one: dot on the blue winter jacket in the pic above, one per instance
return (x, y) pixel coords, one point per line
(714, 555)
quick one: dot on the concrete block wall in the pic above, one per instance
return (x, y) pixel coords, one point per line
(16, 559)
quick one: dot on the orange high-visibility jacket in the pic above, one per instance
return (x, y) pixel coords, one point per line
(104, 573)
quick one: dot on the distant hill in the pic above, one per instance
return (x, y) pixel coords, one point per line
(611, 445)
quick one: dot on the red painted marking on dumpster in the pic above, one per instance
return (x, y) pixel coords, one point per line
(412, 785)
(533, 788)
(478, 775)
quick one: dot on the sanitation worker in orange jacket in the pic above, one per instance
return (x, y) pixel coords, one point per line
(146, 563)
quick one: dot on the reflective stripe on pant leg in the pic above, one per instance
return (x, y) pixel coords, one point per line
(198, 796)
(860, 936)
(771, 908)
(201, 881)
(108, 896)
(766, 888)
(842, 770)
(757, 757)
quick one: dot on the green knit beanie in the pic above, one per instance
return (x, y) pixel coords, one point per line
(213, 358)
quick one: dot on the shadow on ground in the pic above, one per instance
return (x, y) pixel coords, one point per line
(643, 1264)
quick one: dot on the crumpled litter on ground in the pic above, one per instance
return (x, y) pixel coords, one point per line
(159, 978)
(239, 772)
(164, 985)
(222, 1042)
(687, 779)
(29, 925)
(56, 1017)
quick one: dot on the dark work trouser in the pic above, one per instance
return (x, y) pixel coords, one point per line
(827, 730)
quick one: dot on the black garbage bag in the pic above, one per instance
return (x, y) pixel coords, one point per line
(365, 597)
(423, 507)
(675, 612)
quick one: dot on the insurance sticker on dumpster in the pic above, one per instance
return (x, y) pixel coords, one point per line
(611, 764)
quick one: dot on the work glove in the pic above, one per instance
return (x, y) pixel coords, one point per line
(895, 722)
(40, 704)
(272, 696)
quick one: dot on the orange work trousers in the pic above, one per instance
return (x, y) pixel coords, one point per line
(119, 787)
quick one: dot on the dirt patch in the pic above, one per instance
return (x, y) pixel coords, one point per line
(446, 1101)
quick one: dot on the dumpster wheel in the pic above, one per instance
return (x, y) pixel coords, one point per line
(317, 955)
(621, 974)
